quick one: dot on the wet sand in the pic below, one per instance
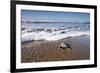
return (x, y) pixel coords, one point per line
(43, 51)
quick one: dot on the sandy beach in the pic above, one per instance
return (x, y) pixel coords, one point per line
(43, 51)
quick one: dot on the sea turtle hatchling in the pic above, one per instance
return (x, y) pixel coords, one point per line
(66, 46)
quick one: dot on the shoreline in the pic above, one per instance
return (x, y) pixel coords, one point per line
(43, 51)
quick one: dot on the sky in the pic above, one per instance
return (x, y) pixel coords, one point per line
(54, 16)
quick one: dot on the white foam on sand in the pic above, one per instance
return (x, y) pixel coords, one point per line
(51, 36)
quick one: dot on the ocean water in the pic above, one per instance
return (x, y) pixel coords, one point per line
(52, 31)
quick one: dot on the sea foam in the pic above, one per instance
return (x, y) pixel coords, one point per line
(57, 35)
(53, 32)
